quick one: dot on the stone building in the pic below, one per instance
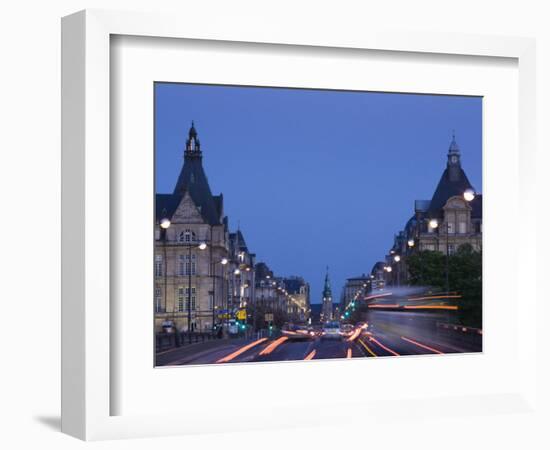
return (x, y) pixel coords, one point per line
(451, 218)
(241, 272)
(353, 288)
(192, 248)
(298, 304)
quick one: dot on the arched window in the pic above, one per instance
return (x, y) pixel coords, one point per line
(187, 236)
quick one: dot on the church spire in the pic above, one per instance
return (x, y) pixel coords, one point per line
(192, 145)
(326, 310)
(327, 291)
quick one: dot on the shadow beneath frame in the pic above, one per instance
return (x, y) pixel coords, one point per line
(51, 422)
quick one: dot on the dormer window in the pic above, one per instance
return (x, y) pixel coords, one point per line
(187, 236)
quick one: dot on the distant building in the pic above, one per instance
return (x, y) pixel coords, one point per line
(268, 293)
(327, 312)
(353, 288)
(298, 308)
(241, 272)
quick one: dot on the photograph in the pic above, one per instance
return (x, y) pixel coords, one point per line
(300, 224)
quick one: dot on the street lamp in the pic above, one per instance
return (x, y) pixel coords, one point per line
(164, 225)
(469, 195)
(397, 258)
(201, 246)
(223, 262)
(410, 243)
(433, 223)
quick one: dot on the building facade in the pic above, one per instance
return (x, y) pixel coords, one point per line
(191, 243)
(298, 304)
(353, 289)
(451, 218)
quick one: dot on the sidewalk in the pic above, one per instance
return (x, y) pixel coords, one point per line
(189, 352)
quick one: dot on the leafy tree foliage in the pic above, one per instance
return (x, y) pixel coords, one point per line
(428, 268)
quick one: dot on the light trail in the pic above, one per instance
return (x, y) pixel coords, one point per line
(310, 355)
(349, 353)
(367, 348)
(389, 350)
(240, 351)
(445, 307)
(433, 297)
(273, 345)
(355, 334)
(380, 305)
(370, 297)
(431, 349)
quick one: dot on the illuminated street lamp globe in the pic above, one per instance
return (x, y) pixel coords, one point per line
(469, 195)
(397, 258)
(237, 272)
(224, 261)
(433, 223)
(202, 245)
(410, 242)
(389, 269)
(165, 223)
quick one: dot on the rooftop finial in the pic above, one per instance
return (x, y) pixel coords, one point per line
(192, 145)
(453, 148)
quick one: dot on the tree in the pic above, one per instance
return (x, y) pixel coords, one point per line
(427, 268)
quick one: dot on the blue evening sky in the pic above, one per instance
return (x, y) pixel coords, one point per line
(315, 177)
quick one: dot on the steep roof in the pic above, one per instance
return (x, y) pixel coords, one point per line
(166, 205)
(192, 179)
(477, 207)
(293, 285)
(448, 188)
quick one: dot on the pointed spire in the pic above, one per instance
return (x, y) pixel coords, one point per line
(327, 291)
(453, 148)
(193, 145)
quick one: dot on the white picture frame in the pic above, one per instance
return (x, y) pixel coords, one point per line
(87, 319)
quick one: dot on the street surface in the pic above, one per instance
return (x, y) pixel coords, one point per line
(386, 333)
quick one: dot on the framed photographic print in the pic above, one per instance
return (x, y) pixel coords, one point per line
(250, 214)
(282, 157)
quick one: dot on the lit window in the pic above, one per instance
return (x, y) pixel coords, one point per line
(181, 265)
(462, 227)
(193, 298)
(158, 299)
(450, 227)
(158, 265)
(181, 298)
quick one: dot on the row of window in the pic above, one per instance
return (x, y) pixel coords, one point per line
(182, 304)
(186, 265)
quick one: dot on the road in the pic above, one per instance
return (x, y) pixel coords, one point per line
(387, 334)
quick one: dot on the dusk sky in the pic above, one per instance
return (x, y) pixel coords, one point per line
(316, 178)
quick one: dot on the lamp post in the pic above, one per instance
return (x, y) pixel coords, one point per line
(223, 262)
(201, 246)
(164, 225)
(397, 258)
